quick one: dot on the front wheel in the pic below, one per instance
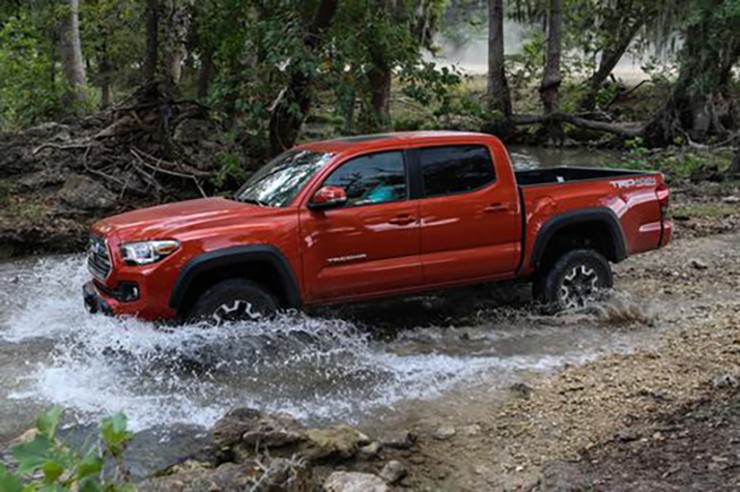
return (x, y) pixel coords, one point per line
(234, 300)
(574, 280)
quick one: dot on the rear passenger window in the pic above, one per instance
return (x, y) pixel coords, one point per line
(455, 169)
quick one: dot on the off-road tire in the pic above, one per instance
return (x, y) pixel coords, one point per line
(234, 300)
(573, 280)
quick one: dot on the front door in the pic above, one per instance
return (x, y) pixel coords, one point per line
(371, 245)
(471, 224)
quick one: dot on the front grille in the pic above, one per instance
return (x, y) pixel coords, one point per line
(98, 260)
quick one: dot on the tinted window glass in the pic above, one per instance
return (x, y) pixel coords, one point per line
(277, 183)
(455, 169)
(373, 178)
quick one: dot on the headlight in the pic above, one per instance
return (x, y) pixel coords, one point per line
(147, 252)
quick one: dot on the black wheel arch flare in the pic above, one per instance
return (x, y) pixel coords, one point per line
(602, 215)
(237, 255)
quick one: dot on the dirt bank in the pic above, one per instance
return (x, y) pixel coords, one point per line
(56, 179)
(662, 417)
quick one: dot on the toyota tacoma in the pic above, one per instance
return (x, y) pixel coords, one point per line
(372, 216)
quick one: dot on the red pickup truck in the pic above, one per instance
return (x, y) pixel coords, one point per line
(372, 216)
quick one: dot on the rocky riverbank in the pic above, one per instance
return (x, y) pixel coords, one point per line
(252, 450)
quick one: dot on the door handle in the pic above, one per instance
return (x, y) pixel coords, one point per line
(402, 220)
(496, 208)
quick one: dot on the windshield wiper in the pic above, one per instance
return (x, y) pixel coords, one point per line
(254, 201)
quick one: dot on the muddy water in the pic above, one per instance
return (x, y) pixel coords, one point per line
(353, 363)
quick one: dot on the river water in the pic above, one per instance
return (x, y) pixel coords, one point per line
(350, 363)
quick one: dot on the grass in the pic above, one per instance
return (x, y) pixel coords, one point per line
(719, 210)
(27, 211)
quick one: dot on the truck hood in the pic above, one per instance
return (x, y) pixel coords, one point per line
(171, 220)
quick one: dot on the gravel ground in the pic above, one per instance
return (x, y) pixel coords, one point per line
(662, 417)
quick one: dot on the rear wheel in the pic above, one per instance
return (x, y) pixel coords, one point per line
(232, 301)
(574, 280)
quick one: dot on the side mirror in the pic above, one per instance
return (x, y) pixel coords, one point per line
(328, 197)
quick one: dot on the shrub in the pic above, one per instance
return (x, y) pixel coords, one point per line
(46, 463)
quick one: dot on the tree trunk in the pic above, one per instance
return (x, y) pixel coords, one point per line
(177, 27)
(499, 98)
(204, 75)
(609, 59)
(74, 67)
(349, 110)
(285, 123)
(149, 71)
(551, 78)
(691, 109)
(106, 77)
(735, 167)
(379, 78)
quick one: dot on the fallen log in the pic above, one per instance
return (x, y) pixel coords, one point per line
(599, 126)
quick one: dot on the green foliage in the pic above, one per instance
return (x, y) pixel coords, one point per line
(47, 464)
(677, 162)
(231, 169)
(29, 93)
(427, 84)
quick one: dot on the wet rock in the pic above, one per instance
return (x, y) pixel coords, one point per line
(243, 432)
(188, 466)
(522, 390)
(444, 432)
(732, 199)
(279, 474)
(230, 428)
(340, 442)
(393, 472)
(698, 264)
(274, 431)
(725, 381)
(354, 482)
(397, 440)
(85, 194)
(369, 451)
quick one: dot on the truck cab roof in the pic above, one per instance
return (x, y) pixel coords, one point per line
(379, 141)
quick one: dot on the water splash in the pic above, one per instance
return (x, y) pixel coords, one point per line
(318, 368)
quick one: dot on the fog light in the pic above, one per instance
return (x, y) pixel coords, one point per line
(127, 292)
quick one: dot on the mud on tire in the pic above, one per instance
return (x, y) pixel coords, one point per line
(233, 300)
(575, 279)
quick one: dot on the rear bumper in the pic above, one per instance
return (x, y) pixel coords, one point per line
(666, 233)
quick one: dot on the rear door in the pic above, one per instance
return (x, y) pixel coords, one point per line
(370, 246)
(470, 220)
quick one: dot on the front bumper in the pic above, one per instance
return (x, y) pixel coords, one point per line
(149, 307)
(94, 302)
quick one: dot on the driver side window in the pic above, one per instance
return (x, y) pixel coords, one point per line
(372, 179)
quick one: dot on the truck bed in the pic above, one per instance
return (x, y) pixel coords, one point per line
(559, 175)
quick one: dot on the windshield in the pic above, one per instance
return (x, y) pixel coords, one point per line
(277, 183)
